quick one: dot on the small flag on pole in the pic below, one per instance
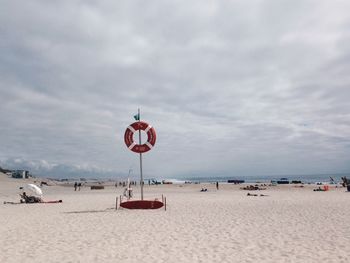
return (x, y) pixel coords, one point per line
(137, 117)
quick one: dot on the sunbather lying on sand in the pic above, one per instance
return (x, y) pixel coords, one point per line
(252, 188)
(319, 189)
(25, 199)
(249, 194)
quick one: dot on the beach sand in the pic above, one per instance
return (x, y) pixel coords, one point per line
(289, 225)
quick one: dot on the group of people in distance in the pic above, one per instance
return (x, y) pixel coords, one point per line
(77, 186)
(206, 190)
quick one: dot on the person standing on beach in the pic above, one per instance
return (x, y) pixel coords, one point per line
(75, 186)
(217, 185)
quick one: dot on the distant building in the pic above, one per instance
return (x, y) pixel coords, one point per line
(22, 174)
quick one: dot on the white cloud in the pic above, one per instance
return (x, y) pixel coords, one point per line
(235, 87)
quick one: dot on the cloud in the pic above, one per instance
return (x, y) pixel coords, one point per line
(55, 170)
(232, 88)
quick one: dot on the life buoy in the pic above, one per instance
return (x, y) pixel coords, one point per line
(129, 137)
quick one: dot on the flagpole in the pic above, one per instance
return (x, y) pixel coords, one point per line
(141, 182)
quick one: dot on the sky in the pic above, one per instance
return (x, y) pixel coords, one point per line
(232, 88)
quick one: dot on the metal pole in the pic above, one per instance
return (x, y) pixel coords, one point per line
(140, 158)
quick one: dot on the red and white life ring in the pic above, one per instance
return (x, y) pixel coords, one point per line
(129, 137)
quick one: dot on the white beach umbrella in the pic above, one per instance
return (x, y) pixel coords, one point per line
(35, 189)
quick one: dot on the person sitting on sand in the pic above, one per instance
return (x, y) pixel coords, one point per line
(128, 192)
(204, 190)
(29, 199)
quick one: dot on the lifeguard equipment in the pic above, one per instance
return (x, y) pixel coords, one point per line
(139, 148)
(129, 137)
(142, 204)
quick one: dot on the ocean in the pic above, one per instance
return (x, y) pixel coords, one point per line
(267, 178)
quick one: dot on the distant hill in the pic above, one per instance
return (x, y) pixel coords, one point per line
(45, 169)
(4, 170)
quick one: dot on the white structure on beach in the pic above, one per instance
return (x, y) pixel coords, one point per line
(22, 174)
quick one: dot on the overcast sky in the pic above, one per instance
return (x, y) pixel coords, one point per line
(233, 88)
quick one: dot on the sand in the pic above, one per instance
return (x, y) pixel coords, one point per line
(289, 225)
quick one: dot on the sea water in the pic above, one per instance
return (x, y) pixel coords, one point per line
(313, 178)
